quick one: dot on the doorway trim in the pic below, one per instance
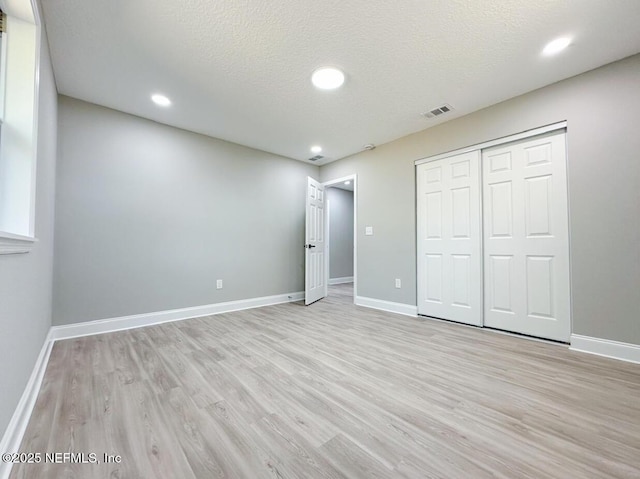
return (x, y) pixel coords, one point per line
(327, 184)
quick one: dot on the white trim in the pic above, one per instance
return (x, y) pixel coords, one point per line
(606, 347)
(355, 237)
(399, 308)
(498, 141)
(340, 180)
(354, 178)
(36, 116)
(18, 425)
(327, 244)
(345, 279)
(569, 239)
(37, 18)
(14, 244)
(148, 319)
(3, 73)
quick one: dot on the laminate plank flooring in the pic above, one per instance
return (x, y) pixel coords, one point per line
(332, 391)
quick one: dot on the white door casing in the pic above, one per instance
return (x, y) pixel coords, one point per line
(315, 273)
(449, 238)
(333, 183)
(526, 237)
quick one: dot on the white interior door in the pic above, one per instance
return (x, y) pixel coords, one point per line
(526, 237)
(315, 273)
(449, 239)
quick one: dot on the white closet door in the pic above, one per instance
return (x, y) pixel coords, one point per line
(526, 241)
(449, 239)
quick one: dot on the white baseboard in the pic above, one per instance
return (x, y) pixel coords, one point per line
(12, 437)
(345, 279)
(20, 419)
(606, 347)
(17, 426)
(110, 325)
(399, 308)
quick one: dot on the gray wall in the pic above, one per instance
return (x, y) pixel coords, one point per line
(25, 279)
(602, 108)
(148, 217)
(340, 232)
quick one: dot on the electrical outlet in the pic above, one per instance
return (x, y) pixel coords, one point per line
(219, 284)
(368, 230)
(398, 283)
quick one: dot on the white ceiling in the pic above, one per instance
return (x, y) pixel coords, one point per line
(240, 69)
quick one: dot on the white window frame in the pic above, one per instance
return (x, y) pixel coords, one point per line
(3, 71)
(19, 95)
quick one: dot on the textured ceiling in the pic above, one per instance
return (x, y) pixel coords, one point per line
(240, 69)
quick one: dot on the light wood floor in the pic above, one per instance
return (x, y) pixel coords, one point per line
(333, 391)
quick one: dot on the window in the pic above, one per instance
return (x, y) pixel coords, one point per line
(3, 65)
(19, 47)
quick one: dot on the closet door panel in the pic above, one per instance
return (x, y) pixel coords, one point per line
(526, 237)
(449, 239)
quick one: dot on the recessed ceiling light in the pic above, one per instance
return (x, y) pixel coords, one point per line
(347, 182)
(327, 78)
(556, 46)
(316, 149)
(160, 100)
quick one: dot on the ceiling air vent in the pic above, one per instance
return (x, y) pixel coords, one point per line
(316, 158)
(441, 110)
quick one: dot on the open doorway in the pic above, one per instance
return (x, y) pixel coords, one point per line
(341, 238)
